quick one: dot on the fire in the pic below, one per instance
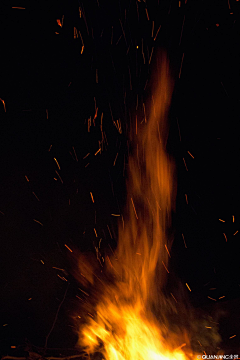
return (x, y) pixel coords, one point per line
(122, 324)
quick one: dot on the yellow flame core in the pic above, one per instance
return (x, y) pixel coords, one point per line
(122, 326)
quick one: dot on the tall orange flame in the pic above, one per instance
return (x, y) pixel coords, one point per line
(122, 325)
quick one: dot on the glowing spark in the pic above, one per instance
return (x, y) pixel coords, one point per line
(26, 178)
(235, 232)
(180, 71)
(188, 287)
(186, 198)
(173, 297)
(190, 154)
(208, 327)
(4, 105)
(50, 148)
(92, 197)
(211, 298)
(232, 336)
(165, 267)
(147, 14)
(68, 247)
(184, 241)
(75, 33)
(95, 231)
(225, 236)
(75, 154)
(157, 33)
(109, 232)
(221, 220)
(18, 7)
(185, 164)
(62, 277)
(134, 208)
(115, 159)
(167, 250)
(115, 214)
(83, 292)
(221, 297)
(42, 262)
(29, 299)
(57, 164)
(38, 222)
(59, 22)
(59, 176)
(35, 196)
(233, 218)
(99, 150)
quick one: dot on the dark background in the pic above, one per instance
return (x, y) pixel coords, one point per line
(50, 90)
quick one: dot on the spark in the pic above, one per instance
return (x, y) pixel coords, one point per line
(38, 222)
(115, 159)
(68, 247)
(157, 33)
(42, 262)
(99, 150)
(167, 250)
(115, 214)
(190, 154)
(50, 148)
(221, 220)
(221, 297)
(47, 113)
(235, 232)
(173, 297)
(232, 336)
(180, 71)
(29, 299)
(26, 178)
(95, 231)
(184, 241)
(57, 164)
(92, 197)
(59, 22)
(165, 267)
(233, 218)
(211, 298)
(225, 236)
(147, 14)
(109, 232)
(134, 208)
(59, 176)
(185, 164)
(84, 292)
(208, 327)
(4, 105)
(18, 7)
(152, 28)
(35, 196)
(188, 287)
(186, 198)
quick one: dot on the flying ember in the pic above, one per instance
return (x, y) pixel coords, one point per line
(122, 323)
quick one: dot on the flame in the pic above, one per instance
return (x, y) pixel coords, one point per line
(121, 323)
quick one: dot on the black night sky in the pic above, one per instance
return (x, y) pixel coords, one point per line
(98, 64)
